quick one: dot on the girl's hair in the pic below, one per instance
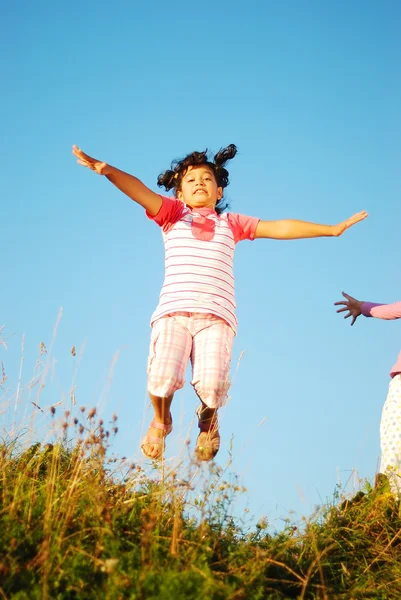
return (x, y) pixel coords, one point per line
(172, 178)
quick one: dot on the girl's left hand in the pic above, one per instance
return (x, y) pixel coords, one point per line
(341, 227)
(352, 305)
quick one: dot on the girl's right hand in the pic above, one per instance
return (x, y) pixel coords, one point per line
(101, 168)
(351, 305)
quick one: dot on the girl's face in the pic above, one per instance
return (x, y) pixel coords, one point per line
(199, 188)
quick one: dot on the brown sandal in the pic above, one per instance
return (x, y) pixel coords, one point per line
(208, 442)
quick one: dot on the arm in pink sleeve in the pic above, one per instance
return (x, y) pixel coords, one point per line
(170, 212)
(382, 311)
(243, 227)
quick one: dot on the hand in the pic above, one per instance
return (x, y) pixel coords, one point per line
(351, 304)
(101, 168)
(341, 227)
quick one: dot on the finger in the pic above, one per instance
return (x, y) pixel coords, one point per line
(84, 163)
(346, 295)
(359, 216)
(77, 151)
(356, 218)
(340, 310)
(340, 303)
(80, 154)
(347, 316)
(353, 321)
(84, 156)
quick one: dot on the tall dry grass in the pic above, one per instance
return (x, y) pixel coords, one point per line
(77, 522)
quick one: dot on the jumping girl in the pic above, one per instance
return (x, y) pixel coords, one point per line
(195, 318)
(390, 424)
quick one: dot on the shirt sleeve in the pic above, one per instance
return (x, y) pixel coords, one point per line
(382, 311)
(243, 227)
(170, 212)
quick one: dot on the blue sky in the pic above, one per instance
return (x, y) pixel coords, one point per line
(310, 92)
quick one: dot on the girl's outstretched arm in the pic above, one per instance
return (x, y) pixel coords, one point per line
(290, 229)
(128, 184)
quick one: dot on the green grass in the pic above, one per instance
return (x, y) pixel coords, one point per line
(77, 524)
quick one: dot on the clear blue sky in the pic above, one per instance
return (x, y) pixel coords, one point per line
(310, 92)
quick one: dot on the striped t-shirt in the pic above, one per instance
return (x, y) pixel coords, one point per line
(199, 251)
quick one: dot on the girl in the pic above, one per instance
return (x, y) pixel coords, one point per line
(195, 318)
(390, 424)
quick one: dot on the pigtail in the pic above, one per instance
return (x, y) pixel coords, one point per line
(167, 179)
(220, 159)
(224, 155)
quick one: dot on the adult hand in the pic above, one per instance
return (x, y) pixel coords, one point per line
(101, 168)
(350, 304)
(341, 227)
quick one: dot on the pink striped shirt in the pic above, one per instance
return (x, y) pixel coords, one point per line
(199, 251)
(388, 312)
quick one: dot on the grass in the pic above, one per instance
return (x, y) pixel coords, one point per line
(76, 523)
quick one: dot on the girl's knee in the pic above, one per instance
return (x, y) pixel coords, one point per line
(212, 393)
(164, 387)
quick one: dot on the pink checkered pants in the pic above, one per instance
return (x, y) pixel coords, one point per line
(205, 339)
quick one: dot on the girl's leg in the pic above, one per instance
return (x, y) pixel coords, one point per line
(161, 407)
(211, 356)
(390, 436)
(170, 348)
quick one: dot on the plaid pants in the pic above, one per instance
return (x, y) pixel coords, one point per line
(205, 339)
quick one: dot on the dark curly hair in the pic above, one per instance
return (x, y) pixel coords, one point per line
(172, 178)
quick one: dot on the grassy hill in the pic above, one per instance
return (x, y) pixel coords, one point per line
(77, 524)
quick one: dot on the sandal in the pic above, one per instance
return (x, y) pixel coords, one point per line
(208, 442)
(157, 441)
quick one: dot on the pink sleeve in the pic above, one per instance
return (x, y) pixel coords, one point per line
(170, 212)
(243, 227)
(382, 311)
